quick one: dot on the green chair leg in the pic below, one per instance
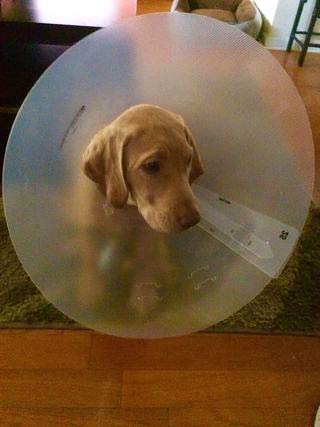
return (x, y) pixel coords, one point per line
(315, 15)
(295, 24)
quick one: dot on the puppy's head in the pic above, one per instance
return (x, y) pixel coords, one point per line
(150, 153)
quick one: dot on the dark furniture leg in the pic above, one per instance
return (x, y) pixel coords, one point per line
(295, 24)
(309, 34)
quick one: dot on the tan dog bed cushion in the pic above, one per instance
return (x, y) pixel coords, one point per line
(245, 11)
(230, 5)
(221, 15)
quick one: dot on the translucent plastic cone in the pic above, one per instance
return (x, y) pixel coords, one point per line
(106, 268)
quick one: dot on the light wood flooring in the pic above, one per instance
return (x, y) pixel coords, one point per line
(82, 378)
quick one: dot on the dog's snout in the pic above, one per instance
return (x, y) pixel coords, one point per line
(189, 218)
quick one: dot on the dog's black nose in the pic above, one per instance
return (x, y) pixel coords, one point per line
(189, 219)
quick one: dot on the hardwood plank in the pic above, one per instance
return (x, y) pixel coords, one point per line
(311, 100)
(268, 390)
(59, 388)
(206, 351)
(291, 59)
(120, 353)
(28, 349)
(149, 6)
(66, 417)
(244, 416)
(308, 76)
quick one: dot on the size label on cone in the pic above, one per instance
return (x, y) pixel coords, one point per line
(263, 241)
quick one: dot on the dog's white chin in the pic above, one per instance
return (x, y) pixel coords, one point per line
(165, 230)
(130, 201)
(159, 227)
(160, 222)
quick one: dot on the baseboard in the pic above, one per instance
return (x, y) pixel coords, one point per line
(280, 43)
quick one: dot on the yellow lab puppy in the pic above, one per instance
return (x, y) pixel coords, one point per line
(146, 157)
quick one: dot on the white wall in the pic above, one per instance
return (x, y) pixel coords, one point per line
(281, 14)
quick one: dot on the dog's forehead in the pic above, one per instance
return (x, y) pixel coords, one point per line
(145, 118)
(150, 128)
(157, 138)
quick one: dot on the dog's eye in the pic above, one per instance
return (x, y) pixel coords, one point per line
(151, 167)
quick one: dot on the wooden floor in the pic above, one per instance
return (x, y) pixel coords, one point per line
(81, 378)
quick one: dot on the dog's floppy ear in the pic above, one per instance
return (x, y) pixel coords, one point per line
(102, 163)
(93, 161)
(196, 165)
